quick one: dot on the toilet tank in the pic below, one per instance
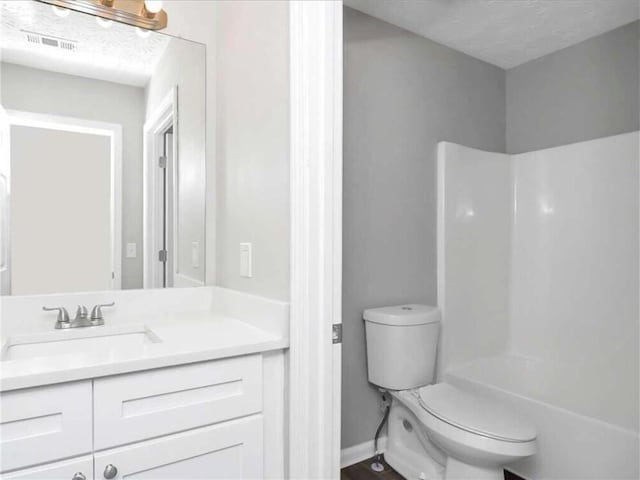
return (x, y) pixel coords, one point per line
(401, 345)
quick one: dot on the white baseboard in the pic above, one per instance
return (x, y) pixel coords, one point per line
(357, 453)
(181, 281)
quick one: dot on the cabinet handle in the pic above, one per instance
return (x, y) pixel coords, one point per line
(79, 476)
(110, 472)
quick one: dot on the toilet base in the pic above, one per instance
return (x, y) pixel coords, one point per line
(409, 452)
(457, 470)
(420, 453)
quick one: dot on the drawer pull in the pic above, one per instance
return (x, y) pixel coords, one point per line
(110, 472)
(79, 476)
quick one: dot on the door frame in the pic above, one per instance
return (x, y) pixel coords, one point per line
(91, 127)
(5, 202)
(165, 115)
(316, 238)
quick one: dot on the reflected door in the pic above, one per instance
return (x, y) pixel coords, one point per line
(167, 254)
(61, 239)
(5, 202)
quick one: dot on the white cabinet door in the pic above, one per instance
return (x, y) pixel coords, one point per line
(230, 450)
(137, 406)
(74, 469)
(44, 424)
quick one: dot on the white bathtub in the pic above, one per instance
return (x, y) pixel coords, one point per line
(585, 430)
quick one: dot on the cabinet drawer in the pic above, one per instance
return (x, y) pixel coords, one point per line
(43, 424)
(133, 407)
(66, 470)
(230, 450)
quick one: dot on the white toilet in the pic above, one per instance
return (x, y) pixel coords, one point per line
(436, 430)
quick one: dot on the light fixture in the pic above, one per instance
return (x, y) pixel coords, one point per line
(104, 22)
(146, 14)
(143, 33)
(60, 12)
(150, 8)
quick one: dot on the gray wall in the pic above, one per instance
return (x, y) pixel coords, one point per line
(402, 94)
(195, 20)
(586, 91)
(42, 91)
(252, 144)
(183, 66)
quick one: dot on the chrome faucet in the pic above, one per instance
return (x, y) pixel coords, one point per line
(63, 316)
(96, 313)
(82, 316)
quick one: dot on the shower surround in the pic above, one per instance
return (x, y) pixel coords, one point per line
(538, 284)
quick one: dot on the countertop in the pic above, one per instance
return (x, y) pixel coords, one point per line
(184, 338)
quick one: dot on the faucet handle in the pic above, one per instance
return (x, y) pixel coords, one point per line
(96, 311)
(81, 312)
(63, 316)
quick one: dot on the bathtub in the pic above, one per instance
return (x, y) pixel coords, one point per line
(585, 430)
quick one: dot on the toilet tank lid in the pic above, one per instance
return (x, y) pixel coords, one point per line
(403, 315)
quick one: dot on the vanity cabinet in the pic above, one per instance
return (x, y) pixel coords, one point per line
(75, 469)
(201, 420)
(45, 424)
(134, 407)
(228, 450)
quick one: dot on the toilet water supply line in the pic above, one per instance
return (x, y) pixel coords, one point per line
(377, 465)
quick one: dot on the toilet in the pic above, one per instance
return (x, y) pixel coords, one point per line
(436, 431)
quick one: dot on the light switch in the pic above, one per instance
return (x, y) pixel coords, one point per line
(245, 260)
(132, 250)
(195, 254)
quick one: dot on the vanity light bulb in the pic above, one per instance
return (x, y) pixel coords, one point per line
(153, 6)
(143, 32)
(104, 22)
(60, 12)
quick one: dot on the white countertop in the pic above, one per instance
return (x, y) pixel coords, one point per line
(184, 338)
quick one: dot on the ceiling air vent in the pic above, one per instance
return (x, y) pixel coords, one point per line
(50, 41)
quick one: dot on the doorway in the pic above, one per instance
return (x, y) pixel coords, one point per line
(72, 240)
(161, 195)
(167, 172)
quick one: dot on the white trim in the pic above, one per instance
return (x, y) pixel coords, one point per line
(316, 237)
(165, 115)
(441, 248)
(90, 127)
(5, 203)
(357, 453)
(182, 281)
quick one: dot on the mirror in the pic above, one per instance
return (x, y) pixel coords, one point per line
(102, 165)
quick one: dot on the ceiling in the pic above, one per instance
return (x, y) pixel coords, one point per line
(116, 54)
(505, 33)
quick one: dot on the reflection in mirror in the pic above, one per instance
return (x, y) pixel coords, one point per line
(102, 165)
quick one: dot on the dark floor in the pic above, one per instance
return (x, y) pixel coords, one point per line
(362, 471)
(511, 476)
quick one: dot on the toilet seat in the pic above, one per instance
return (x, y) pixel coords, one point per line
(475, 414)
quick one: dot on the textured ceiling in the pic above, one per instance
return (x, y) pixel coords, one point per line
(504, 32)
(115, 54)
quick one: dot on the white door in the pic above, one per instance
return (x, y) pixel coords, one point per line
(62, 242)
(167, 232)
(5, 199)
(230, 450)
(160, 194)
(74, 469)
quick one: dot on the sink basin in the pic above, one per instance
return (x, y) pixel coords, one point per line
(83, 340)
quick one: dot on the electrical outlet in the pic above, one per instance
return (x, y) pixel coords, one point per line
(195, 254)
(245, 260)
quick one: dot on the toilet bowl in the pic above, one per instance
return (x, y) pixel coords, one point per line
(437, 430)
(477, 436)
